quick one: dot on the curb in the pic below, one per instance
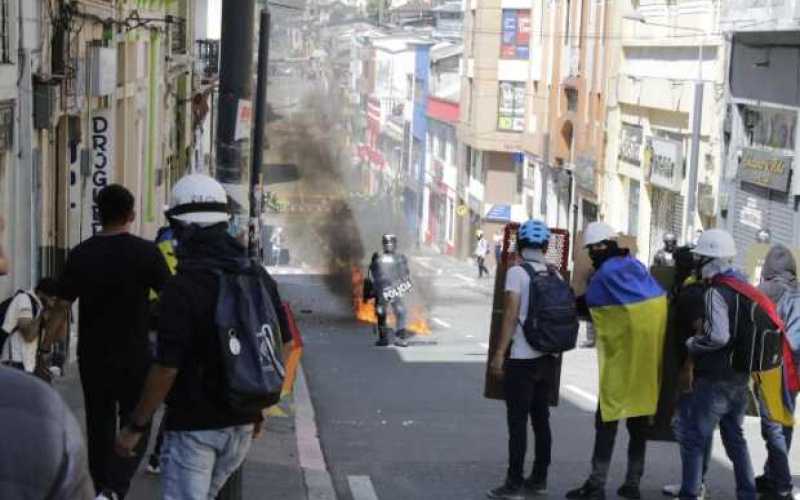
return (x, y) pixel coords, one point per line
(318, 481)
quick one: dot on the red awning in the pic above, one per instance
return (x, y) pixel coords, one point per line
(443, 110)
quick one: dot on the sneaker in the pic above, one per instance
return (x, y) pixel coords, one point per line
(153, 466)
(382, 343)
(587, 492)
(674, 490)
(56, 371)
(587, 345)
(629, 490)
(507, 491)
(107, 495)
(535, 486)
(398, 342)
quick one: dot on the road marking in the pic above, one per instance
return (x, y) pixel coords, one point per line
(462, 277)
(584, 394)
(441, 323)
(361, 488)
(484, 345)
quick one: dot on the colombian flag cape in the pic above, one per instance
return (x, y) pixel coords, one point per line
(629, 312)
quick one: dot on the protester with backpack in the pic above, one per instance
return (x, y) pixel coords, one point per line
(779, 283)
(539, 322)
(218, 362)
(22, 325)
(719, 389)
(629, 312)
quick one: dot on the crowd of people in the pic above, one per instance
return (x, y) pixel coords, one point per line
(711, 309)
(157, 323)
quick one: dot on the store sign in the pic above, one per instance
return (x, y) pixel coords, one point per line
(244, 120)
(516, 34)
(101, 172)
(765, 169)
(663, 158)
(630, 144)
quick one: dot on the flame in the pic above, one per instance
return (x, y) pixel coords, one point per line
(365, 311)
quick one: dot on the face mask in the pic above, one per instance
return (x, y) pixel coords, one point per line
(599, 256)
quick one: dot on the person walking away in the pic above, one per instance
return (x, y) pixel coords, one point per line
(23, 323)
(481, 251)
(277, 245)
(43, 454)
(498, 248)
(779, 283)
(629, 312)
(210, 422)
(112, 274)
(529, 375)
(719, 393)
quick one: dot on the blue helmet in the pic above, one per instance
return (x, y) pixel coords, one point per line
(533, 233)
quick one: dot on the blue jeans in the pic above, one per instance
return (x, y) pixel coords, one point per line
(778, 439)
(715, 403)
(196, 464)
(679, 427)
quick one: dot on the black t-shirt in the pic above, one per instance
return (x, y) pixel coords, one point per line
(187, 340)
(112, 276)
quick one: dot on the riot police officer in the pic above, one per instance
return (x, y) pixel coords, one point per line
(666, 256)
(389, 280)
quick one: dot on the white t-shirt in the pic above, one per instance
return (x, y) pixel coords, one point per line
(518, 281)
(16, 348)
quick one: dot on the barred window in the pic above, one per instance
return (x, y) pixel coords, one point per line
(5, 36)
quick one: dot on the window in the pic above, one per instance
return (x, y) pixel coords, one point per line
(630, 144)
(572, 99)
(769, 127)
(5, 35)
(516, 35)
(567, 15)
(511, 107)
(475, 163)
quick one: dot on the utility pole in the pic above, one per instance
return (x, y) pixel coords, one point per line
(235, 106)
(258, 135)
(233, 131)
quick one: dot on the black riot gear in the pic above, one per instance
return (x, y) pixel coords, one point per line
(389, 280)
(389, 242)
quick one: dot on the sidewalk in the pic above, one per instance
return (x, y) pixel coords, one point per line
(272, 469)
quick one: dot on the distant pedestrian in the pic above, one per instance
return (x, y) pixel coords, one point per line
(112, 274)
(481, 252)
(530, 376)
(779, 283)
(277, 241)
(629, 312)
(719, 393)
(498, 248)
(42, 454)
(210, 421)
(665, 257)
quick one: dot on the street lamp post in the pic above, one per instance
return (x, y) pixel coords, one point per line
(697, 118)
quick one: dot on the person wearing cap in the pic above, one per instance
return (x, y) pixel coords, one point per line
(718, 394)
(629, 312)
(205, 439)
(112, 274)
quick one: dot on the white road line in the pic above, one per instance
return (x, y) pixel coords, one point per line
(588, 396)
(484, 345)
(464, 278)
(441, 323)
(361, 488)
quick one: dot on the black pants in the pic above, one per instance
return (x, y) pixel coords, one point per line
(527, 388)
(110, 394)
(604, 438)
(382, 311)
(482, 267)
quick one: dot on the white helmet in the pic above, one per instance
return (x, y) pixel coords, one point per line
(199, 199)
(598, 232)
(716, 243)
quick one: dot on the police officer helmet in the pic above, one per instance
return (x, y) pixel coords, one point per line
(389, 242)
(533, 233)
(670, 238)
(198, 199)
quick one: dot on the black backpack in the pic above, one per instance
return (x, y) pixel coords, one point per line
(250, 340)
(552, 323)
(758, 347)
(4, 310)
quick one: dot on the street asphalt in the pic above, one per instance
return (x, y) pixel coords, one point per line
(412, 423)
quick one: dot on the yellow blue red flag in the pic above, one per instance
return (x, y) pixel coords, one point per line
(629, 312)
